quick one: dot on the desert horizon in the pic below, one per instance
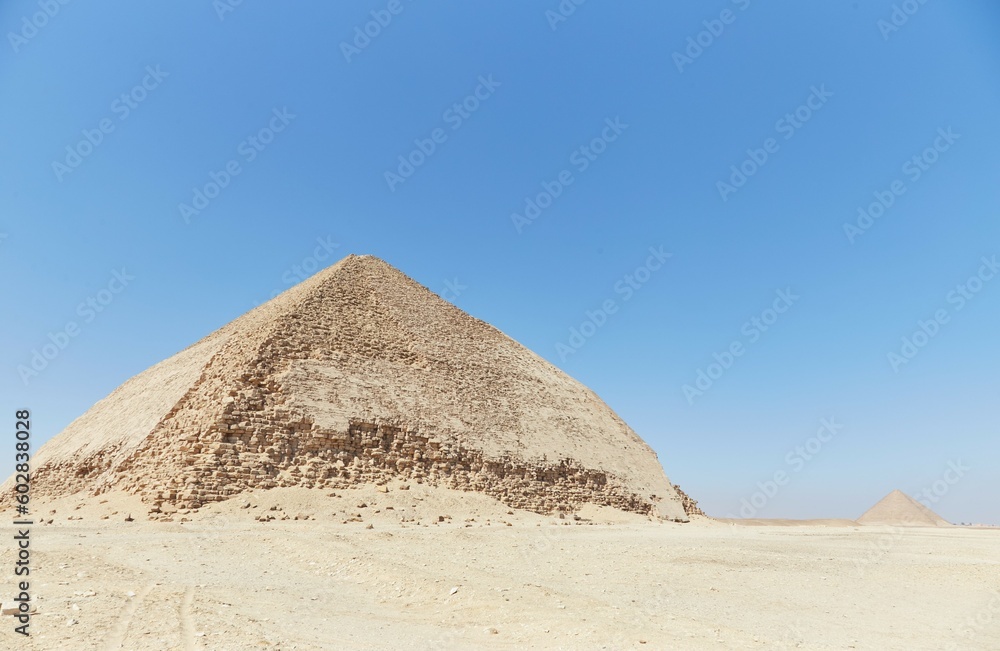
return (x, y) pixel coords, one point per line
(269, 465)
(558, 326)
(354, 570)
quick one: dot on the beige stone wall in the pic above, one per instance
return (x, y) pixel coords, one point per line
(690, 505)
(256, 443)
(302, 455)
(358, 375)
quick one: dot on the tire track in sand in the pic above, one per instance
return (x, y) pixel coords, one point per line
(116, 636)
(188, 640)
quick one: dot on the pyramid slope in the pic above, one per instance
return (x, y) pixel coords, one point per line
(120, 423)
(898, 508)
(358, 375)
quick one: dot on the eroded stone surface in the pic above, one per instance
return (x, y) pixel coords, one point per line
(358, 375)
(690, 505)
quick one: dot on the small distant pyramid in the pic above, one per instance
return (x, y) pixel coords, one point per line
(898, 508)
(356, 375)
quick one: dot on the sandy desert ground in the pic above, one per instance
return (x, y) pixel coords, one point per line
(401, 573)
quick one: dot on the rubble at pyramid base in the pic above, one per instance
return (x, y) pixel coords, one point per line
(357, 376)
(367, 453)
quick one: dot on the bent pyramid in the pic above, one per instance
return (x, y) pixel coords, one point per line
(898, 508)
(357, 375)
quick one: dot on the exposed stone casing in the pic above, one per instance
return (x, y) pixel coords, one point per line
(358, 374)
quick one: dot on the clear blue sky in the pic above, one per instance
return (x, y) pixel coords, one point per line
(839, 103)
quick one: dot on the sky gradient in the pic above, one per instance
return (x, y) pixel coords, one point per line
(764, 233)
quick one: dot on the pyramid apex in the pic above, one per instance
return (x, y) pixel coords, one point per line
(359, 375)
(898, 508)
(360, 260)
